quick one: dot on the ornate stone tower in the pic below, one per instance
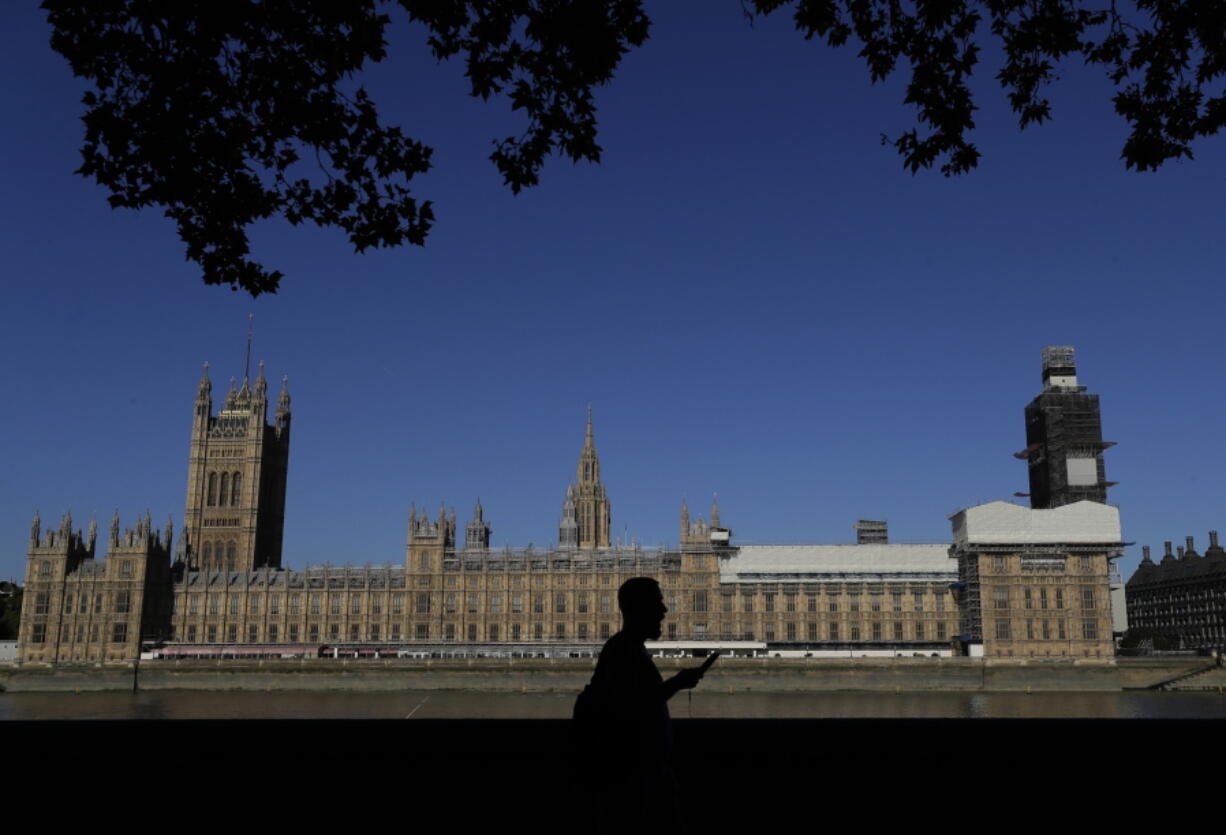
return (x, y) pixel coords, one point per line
(1064, 437)
(236, 479)
(477, 533)
(586, 505)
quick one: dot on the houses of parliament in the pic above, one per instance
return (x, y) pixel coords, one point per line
(1015, 582)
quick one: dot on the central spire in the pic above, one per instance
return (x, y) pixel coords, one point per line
(586, 506)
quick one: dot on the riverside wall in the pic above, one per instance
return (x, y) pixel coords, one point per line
(570, 675)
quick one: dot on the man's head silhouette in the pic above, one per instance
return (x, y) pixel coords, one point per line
(642, 605)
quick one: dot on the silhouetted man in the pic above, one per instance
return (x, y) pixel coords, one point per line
(625, 713)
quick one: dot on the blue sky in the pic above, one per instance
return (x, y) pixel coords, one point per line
(754, 295)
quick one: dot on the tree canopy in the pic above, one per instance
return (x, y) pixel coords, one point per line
(227, 112)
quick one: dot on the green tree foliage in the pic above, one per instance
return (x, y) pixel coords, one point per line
(10, 610)
(225, 112)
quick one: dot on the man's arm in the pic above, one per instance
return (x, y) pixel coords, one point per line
(688, 678)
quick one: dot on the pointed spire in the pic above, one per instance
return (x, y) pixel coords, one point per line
(114, 537)
(93, 532)
(685, 519)
(715, 510)
(66, 524)
(282, 414)
(588, 436)
(231, 395)
(478, 511)
(261, 384)
(36, 529)
(205, 389)
(170, 531)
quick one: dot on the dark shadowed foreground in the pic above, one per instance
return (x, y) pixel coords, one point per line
(479, 774)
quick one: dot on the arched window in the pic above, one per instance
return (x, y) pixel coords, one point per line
(225, 489)
(44, 569)
(236, 489)
(231, 556)
(207, 563)
(425, 561)
(212, 489)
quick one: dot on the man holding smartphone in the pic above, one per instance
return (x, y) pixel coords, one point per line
(625, 708)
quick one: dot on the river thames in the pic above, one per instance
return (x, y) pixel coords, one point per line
(443, 704)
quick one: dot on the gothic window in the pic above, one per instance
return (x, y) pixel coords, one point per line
(212, 489)
(41, 603)
(253, 633)
(123, 602)
(334, 604)
(119, 633)
(44, 569)
(231, 556)
(355, 604)
(472, 632)
(225, 489)
(560, 603)
(208, 556)
(68, 604)
(236, 488)
(234, 603)
(425, 561)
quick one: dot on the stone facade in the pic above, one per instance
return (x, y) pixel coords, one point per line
(226, 592)
(81, 609)
(1034, 583)
(1182, 597)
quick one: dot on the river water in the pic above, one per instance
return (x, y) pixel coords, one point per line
(441, 704)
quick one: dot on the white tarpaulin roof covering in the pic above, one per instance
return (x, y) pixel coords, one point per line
(1004, 523)
(817, 560)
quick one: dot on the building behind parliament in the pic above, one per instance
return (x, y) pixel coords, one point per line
(1017, 582)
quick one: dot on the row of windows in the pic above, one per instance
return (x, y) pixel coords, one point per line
(560, 603)
(225, 489)
(125, 568)
(1047, 630)
(537, 632)
(1000, 563)
(220, 556)
(1000, 599)
(81, 604)
(119, 633)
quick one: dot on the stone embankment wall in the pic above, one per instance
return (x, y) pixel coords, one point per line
(535, 675)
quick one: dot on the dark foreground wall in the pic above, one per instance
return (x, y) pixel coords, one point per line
(511, 776)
